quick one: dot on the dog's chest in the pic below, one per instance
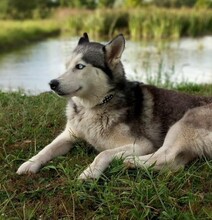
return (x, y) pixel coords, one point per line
(102, 129)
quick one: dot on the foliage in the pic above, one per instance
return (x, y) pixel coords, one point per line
(203, 4)
(105, 3)
(174, 3)
(21, 9)
(3, 6)
(132, 3)
(89, 4)
(28, 123)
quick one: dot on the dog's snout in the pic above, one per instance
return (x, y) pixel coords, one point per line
(54, 84)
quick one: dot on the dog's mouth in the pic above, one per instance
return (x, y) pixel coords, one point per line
(62, 93)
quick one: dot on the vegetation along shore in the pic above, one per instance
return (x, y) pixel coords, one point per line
(142, 23)
(137, 24)
(14, 34)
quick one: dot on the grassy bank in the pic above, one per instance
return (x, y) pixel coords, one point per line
(145, 23)
(29, 123)
(14, 34)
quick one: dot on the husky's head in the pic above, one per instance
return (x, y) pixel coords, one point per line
(93, 71)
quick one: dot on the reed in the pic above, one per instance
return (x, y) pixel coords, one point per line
(143, 23)
(98, 23)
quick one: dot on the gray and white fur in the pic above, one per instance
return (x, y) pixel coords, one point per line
(140, 123)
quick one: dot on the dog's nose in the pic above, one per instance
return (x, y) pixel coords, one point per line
(54, 84)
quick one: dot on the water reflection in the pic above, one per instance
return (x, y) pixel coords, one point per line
(31, 68)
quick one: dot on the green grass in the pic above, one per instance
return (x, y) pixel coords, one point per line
(14, 34)
(28, 123)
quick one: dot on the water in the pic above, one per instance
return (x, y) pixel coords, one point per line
(31, 68)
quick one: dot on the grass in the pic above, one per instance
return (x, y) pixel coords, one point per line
(14, 34)
(28, 123)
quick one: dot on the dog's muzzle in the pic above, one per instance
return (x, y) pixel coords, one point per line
(54, 84)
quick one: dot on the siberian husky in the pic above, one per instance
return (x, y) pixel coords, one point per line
(142, 124)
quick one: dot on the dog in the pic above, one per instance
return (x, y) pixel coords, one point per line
(141, 124)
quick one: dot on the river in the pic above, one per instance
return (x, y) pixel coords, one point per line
(32, 67)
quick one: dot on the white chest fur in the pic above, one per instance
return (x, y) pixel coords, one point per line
(98, 126)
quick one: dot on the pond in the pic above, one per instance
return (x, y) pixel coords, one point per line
(186, 60)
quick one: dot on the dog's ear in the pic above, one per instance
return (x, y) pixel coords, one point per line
(83, 39)
(114, 50)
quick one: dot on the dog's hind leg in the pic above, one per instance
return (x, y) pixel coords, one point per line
(102, 160)
(187, 139)
(59, 146)
(173, 154)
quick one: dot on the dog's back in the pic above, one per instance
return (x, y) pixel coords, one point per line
(169, 106)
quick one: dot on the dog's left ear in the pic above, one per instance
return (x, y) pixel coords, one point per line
(83, 39)
(114, 50)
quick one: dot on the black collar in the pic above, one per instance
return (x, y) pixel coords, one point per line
(106, 99)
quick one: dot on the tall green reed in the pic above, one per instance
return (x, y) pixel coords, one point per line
(143, 23)
(99, 23)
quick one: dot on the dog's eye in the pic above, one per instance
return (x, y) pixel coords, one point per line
(80, 66)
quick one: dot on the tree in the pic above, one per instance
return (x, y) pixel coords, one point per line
(90, 4)
(105, 3)
(174, 3)
(21, 9)
(203, 4)
(3, 6)
(133, 3)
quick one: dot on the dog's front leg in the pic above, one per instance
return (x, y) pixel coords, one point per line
(102, 160)
(59, 146)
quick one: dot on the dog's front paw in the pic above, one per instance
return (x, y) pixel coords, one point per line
(129, 162)
(89, 174)
(29, 167)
